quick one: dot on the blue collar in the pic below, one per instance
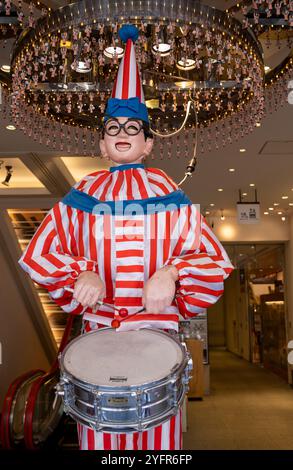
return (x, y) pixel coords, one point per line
(153, 205)
(126, 166)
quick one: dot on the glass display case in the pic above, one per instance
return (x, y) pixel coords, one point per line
(197, 328)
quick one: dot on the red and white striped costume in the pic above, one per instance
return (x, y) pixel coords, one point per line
(126, 251)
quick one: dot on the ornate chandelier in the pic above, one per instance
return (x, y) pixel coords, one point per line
(64, 65)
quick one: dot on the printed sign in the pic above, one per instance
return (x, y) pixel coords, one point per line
(248, 213)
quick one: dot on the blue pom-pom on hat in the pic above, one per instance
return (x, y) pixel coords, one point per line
(128, 31)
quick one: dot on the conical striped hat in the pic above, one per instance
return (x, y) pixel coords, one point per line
(127, 96)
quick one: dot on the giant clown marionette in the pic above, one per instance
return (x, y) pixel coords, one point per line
(128, 262)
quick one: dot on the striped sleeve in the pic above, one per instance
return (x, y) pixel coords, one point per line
(48, 265)
(201, 274)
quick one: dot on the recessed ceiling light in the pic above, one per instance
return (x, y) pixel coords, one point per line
(257, 124)
(252, 184)
(271, 208)
(266, 213)
(11, 127)
(5, 68)
(283, 219)
(280, 213)
(284, 197)
(231, 170)
(207, 212)
(276, 203)
(242, 150)
(212, 205)
(220, 189)
(290, 203)
(244, 194)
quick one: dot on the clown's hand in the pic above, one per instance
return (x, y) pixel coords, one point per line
(88, 289)
(160, 289)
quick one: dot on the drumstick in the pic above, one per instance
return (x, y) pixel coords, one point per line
(99, 302)
(121, 311)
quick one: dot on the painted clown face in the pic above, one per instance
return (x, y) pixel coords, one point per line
(126, 144)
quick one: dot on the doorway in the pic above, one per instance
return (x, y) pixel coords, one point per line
(250, 319)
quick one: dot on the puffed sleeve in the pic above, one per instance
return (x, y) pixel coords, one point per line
(51, 265)
(201, 272)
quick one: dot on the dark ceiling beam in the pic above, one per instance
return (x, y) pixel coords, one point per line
(52, 172)
(28, 202)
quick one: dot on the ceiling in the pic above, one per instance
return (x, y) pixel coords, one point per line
(267, 162)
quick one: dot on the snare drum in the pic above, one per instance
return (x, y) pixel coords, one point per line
(123, 381)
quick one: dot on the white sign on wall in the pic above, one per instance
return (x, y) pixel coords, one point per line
(248, 213)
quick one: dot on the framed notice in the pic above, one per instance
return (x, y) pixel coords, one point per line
(248, 213)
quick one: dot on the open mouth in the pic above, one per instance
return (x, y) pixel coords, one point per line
(122, 146)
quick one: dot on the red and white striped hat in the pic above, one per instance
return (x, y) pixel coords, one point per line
(127, 96)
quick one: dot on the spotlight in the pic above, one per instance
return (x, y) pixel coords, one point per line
(112, 52)
(185, 64)
(81, 67)
(8, 175)
(5, 68)
(161, 46)
(162, 49)
(185, 84)
(222, 215)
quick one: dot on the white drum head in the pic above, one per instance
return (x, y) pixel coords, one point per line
(110, 358)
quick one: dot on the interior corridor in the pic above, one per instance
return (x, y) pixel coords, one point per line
(248, 408)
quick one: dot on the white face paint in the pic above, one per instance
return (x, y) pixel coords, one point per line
(123, 148)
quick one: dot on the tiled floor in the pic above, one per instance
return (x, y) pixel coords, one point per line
(248, 408)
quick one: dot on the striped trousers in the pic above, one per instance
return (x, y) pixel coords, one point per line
(166, 436)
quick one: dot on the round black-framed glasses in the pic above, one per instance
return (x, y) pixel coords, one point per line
(132, 126)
